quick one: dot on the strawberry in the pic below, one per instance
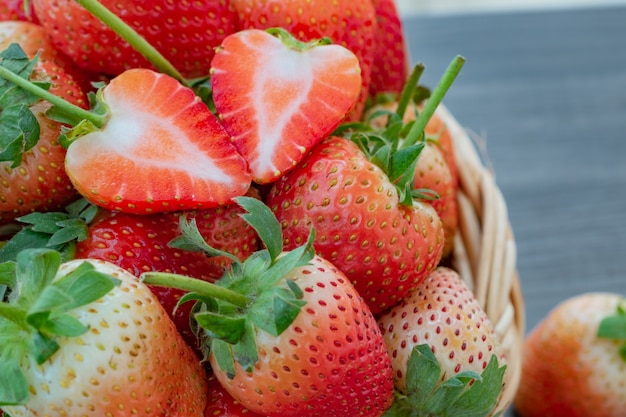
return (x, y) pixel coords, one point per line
(384, 247)
(184, 32)
(350, 23)
(442, 324)
(434, 175)
(390, 68)
(15, 10)
(574, 360)
(86, 338)
(287, 332)
(277, 97)
(359, 198)
(221, 403)
(149, 145)
(140, 243)
(32, 175)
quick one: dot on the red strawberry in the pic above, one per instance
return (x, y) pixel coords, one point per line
(184, 32)
(221, 403)
(17, 11)
(87, 338)
(278, 97)
(574, 360)
(32, 176)
(433, 172)
(288, 334)
(390, 68)
(384, 246)
(443, 319)
(350, 23)
(159, 149)
(140, 243)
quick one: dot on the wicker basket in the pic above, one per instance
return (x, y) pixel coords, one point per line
(485, 252)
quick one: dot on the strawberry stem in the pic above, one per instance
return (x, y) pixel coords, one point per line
(435, 99)
(133, 38)
(181, 282)
(407, 93)
(79, 113)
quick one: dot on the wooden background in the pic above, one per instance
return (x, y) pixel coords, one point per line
(545, 93)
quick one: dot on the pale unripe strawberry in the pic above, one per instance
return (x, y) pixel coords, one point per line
(574, 360)
(442, 320)
(130, 361)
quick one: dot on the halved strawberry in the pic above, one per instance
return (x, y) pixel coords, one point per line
(160, 149)
(277, 97)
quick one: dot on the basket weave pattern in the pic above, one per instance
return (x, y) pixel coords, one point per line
(485, 252)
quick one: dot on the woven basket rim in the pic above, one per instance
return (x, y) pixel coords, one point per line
(484, 251)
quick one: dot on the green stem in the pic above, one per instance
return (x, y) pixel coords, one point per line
(78, 112)
(133, 38)
(181, 282)
(435, 99)
(409, 90)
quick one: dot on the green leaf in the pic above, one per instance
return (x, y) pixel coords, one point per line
(403, 164)
(245, 352)
(613, 327)
(13, 384)
(263, 220)
(42, 347)
(223, 354)
(422, 375)
(84, 285)
(44, 222)
(7, 274)
(36, 268)
(64, 326)
(275, 310)
(19, 132)
(222, 327)
(481, 397)
(191, 240)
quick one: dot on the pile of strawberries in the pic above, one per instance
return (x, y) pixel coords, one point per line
(218, 208)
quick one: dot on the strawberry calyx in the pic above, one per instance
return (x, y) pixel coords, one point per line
(36, 310)
(429, 394)
(19, 129)
(63, 111)
(251, 295)
(614, 327)
(397, 147)
(57, 230)
(291, 42)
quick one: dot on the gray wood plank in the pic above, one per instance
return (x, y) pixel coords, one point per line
(546, 92)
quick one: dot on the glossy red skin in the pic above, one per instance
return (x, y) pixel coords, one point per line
(313, 20)
(184, 32)
(40, 183)
(221, 403)
(140, 244)
(330, 361)
(391, 60)
(383, 247)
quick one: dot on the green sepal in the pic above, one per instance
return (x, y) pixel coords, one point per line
(42, 347)
(614, 327)
(466, 394)
(58, 231)
(19, 128)
(190, 239)
(219, 326)
(275, 310)
(263, 221)
(7, 274)
(222, 352)
(13, 384)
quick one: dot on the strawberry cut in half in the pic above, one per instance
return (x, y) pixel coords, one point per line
(278, 97)
(160, 149)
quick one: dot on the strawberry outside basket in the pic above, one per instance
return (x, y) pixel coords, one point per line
(485, 252)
